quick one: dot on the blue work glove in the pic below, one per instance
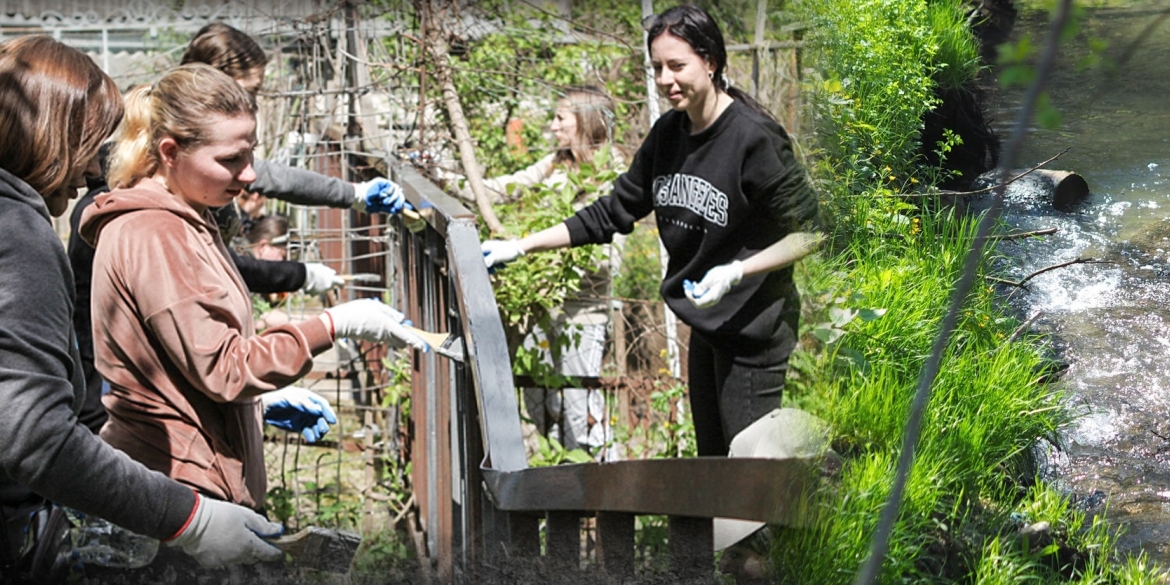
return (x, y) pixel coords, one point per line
(714, 285)
(298, 410)
(379, 196)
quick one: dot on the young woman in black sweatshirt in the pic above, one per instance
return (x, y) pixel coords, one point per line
(733, 210)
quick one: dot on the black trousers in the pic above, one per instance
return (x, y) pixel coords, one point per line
(731, 388)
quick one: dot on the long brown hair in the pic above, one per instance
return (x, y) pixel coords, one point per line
(56, 109)
(180, 105)
(226, 48)
(594, 111)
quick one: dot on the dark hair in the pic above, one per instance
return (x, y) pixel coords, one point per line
(56, 109)
(270, 227)
(228, 49)
(695, 27)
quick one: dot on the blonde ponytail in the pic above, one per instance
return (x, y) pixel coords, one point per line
(132, 159)
(180, 105)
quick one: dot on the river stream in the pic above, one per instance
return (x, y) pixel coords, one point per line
(1109, 321)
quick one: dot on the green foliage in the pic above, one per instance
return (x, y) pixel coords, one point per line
(641, 270)
(279, 501)
(384, 557)
(670, 431)
(956, 61)
(876, 59)
(880, 61)
(519, 72)
(552, 452)
(529, 289)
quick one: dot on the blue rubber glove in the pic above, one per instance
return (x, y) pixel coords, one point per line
(379, 196)
(298, 410)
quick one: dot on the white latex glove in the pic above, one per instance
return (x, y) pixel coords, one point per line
(319, 278)
(714, 285)
(221, 534)
(372, 320)
(496, 252)
(299, 410)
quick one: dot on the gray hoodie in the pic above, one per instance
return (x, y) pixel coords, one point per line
(44, 450)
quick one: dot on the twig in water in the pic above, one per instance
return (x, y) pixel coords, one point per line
(1022, 235)
(1054, 267)
(1024, 326)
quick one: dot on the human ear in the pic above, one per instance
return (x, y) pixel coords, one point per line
(168, 151)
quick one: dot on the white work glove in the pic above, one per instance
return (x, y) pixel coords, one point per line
(714, 285)
(220, 534)
(319, 278)
(497, 252)
(379, 196)
(373, 320)
(299, 410)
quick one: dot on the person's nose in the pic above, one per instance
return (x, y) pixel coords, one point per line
(248, 175)
(664, 79)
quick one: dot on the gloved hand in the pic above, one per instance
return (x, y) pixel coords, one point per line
(496, 252)
(372, 320)
(714, 285)
(320, 278)
(298, 410)
(379, 196)
(220, 534)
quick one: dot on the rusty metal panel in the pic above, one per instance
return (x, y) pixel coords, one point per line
(767, 490)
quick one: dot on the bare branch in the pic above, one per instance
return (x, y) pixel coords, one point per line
(1024, 326)
(437, 48)
(1022, 235)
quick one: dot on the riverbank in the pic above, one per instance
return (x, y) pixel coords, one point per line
(974, 509)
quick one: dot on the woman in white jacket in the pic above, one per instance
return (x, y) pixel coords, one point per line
(582, 125)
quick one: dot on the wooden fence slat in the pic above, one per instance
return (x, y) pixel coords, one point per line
(564, 540)
(615, 544)
(691, 548)
(524, 530)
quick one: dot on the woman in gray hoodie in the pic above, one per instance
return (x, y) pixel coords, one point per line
(56, 108)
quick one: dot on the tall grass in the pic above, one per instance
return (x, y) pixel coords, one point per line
(891, 271)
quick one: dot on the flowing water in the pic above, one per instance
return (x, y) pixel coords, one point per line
(1109, 321)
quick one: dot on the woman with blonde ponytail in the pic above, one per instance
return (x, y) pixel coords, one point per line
(189, 377)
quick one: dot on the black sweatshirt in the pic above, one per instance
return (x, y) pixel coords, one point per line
(722, 194)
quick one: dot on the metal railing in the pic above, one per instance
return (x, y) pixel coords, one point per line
(479, 503)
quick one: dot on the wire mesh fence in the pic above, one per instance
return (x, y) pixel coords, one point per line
(348, 88)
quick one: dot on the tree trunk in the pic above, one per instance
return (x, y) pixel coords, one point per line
(436, 46)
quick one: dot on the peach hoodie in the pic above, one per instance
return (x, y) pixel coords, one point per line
(173, 335)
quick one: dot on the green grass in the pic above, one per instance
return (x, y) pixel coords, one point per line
(873, 303)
